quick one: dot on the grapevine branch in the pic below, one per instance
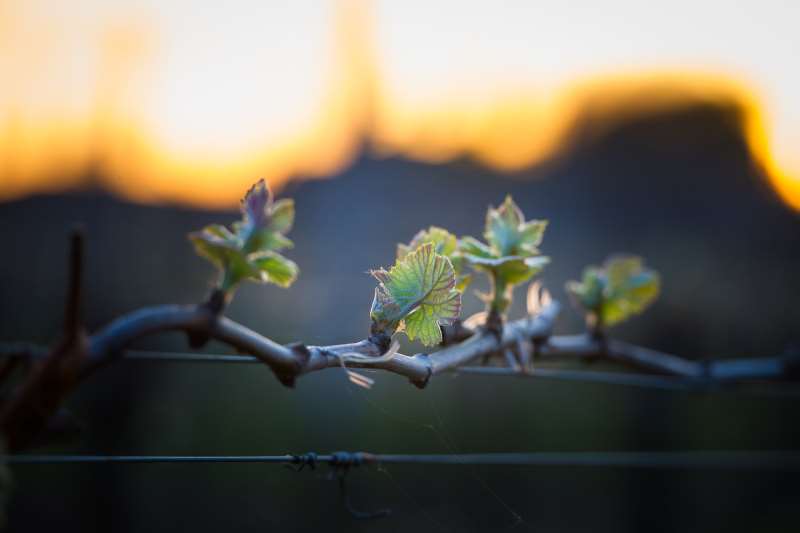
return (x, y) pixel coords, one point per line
(34, 404)
(109, 344)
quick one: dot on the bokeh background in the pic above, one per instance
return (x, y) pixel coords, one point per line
(667, 130)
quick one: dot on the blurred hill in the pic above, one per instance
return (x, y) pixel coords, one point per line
(678, 188)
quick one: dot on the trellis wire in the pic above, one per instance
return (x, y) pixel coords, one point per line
(749, 460)
(640, 380)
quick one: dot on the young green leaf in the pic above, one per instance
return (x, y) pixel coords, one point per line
(617, 291)
(416, 295)
(508, 233)
(446, 244)
(510, 255)
(588, 293)
(274, 268)
(248, 252)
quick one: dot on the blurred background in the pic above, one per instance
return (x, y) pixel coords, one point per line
(669, 130)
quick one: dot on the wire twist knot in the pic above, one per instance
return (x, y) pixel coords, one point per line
(304, 460)
(345, 460)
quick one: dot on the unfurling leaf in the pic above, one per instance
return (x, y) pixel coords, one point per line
(446, 244)
(264, 222)
(615, 292)
(508, 233)
(588, 293)
(248, 251)
(416, 295)
(510, 255)
(275, 268)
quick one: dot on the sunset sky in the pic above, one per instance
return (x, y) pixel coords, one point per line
(189, 100)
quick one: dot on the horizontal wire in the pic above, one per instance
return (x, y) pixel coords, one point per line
(603, 377)
(188, 357)
(134, 459)
(648, 381)
(685, 459)
(632, 379)
(734, 460)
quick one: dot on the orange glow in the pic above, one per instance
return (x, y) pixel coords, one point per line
(52, 140)
(111, 140)
(784, 179)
